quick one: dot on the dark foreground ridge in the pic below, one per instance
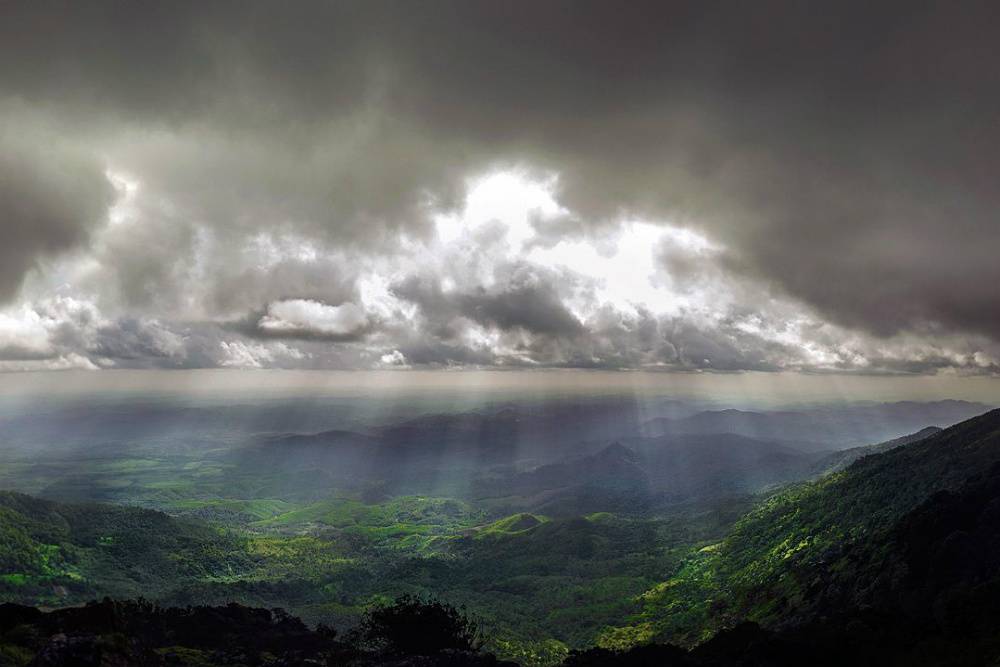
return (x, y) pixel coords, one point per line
(415, 633)
(118, 633)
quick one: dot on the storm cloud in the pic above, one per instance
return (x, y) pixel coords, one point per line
(823, 179)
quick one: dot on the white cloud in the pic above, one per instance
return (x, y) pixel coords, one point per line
(509, 199)
(243, 354)
(394, 359)
(32, 329)
(238, 354)
(308, 317)
(24, 330)
(498, 281)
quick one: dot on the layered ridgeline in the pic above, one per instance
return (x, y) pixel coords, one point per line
(155, 454)
(893, 555)
(896, 555)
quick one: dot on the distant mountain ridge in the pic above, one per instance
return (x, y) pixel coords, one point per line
(678, 455)
(700, 466)
(611, 479)
(824, 428)
(631, 474)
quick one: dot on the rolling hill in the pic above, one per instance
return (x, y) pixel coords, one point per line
(56, 553)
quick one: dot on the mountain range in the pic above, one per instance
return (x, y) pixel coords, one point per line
(685, 549)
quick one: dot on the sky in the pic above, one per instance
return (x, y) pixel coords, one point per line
(729, 187)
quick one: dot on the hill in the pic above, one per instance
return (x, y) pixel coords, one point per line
(609, 480)
(53, 553)
(639, 475)
(853, 540)
(685, 467)
(823, 529)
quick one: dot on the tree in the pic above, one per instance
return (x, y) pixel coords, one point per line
(412, 626)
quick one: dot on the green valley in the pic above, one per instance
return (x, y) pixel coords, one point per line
(546, 583)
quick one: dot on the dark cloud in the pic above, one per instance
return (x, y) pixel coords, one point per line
(525, 299)
(844, 156)
(50, 200)
(531, 307)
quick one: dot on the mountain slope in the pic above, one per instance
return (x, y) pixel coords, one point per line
(772, 556)
(608, 480)
(821, 548)
(685, 467)
(837, 461)
(924, 591)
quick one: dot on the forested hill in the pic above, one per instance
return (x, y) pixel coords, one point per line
(831, 542)
(901, 544)
(58, 552)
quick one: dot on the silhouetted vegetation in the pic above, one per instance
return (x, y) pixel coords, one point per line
(141, 633)
(411, 626)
